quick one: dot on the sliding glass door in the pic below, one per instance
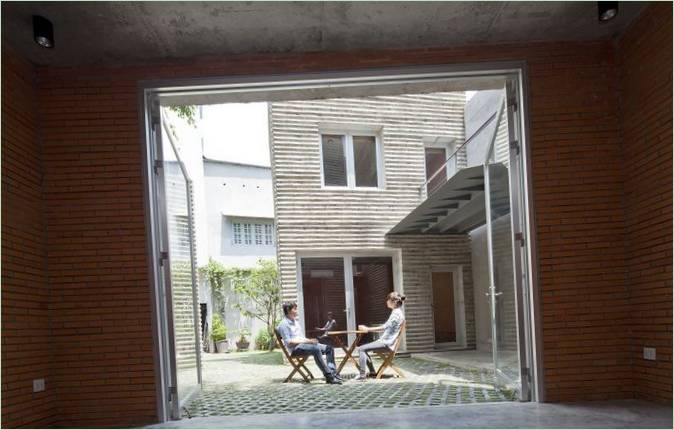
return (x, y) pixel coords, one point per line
(352, 289)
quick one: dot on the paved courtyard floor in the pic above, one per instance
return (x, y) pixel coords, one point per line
(252, 383)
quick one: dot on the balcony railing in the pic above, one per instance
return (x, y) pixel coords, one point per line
(470, 153)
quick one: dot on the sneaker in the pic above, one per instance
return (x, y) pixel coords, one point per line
(361, 378)
(336, 376)
(333, 381)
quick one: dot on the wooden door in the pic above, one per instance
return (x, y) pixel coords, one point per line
(444, 317)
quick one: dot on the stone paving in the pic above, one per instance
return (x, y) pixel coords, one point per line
(251, 383)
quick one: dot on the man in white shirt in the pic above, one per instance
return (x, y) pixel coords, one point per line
(299, 346)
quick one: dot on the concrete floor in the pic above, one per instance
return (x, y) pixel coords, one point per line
(614, 414)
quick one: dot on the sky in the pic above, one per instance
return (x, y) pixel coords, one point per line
(237, 132)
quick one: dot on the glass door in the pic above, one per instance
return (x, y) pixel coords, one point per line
(178, 267)
(504, 236)
(323, 295)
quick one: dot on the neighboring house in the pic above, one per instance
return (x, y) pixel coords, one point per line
(240, 224)
(232, 210)
(348, 176)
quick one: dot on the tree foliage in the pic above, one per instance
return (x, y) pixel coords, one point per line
(186, 112)
(259, 285)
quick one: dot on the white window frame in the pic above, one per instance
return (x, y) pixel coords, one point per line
(347, 143)
(252, 222)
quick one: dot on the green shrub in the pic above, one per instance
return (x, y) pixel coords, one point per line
(218, 331)
(262, 340)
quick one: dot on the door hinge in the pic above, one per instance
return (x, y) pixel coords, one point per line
(172, 395)
(157, 165)
(513, 104)
(515, 145)
(520, 238)
(163, 256)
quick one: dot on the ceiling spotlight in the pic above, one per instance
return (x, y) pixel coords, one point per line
(607, 10)
(43, 32)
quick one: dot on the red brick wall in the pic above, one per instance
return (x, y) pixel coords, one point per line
(645, 52)
(97, 250)
(25, 295)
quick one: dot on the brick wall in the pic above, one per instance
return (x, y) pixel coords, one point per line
(645, 53)
(102, 369)
(25, 327)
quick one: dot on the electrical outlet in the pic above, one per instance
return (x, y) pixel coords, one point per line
(649, 353)
(38, 385)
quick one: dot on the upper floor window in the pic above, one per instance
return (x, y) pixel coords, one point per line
(351, 160)
(252, 233)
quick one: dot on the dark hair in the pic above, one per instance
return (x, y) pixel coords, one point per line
(288, 306)
(397, 298)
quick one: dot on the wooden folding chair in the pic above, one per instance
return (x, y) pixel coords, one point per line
(389, 355)
(296, 362)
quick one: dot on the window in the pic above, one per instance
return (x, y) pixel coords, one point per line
(365, 160)
(435, 160)
(268, 234)
(352, 161)
(252, 233)
(334, 161)
(258, 234)
(247, 234)
(237, 233)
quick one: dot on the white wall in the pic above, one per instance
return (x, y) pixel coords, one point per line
(237, 192)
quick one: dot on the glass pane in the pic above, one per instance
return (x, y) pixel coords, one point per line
(334, 160)
(506, 356)
(323, 292)
(372, 282)
(435, 158)
(365, 160)
(183, 287)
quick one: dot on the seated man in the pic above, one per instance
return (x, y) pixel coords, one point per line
(298, 345)
(330, 324)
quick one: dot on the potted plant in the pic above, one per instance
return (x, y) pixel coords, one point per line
(219, 334)
(242, 344)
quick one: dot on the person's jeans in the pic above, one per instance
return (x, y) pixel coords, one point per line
(317, 351)
(364, 358)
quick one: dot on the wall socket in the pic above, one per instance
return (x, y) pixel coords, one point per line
(649, 353)
(38, 385)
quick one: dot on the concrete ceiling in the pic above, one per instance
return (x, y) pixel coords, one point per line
(133, 32)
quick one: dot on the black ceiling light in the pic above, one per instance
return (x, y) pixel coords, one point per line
(607, 10)
(43, 32)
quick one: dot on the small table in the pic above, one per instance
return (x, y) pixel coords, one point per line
(348, 351)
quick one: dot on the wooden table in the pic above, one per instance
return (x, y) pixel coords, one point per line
(336, 336)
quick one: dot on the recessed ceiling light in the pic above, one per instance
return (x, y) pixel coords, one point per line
(43, 32)
(607, 10)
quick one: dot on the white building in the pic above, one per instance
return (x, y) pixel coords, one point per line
(233, 206)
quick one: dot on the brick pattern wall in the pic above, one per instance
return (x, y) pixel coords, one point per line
(103, 368)
(645, 53)
(96, 230)
(26, 349)
(309, 217)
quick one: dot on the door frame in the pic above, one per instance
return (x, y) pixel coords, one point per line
(349, 297)
(197, 90)
(459, 306)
